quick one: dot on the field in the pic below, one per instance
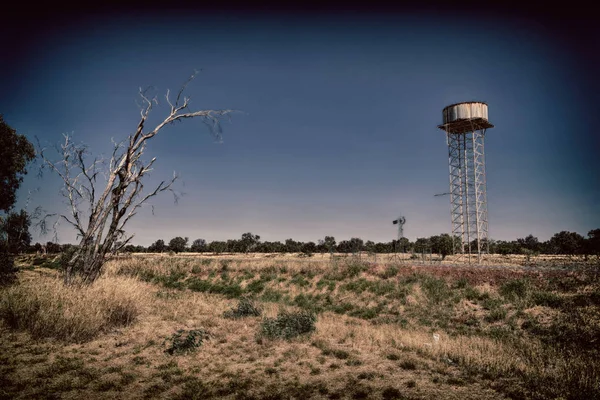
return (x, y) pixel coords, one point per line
(242, 327)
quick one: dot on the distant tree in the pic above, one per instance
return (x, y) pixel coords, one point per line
(271, 247)
(565, 242)
(234, 246)
(291, 246)
(129, 249)
(530, 243)
(217, 247)
(52, 248)
(505, 247)
(381, 247)
(15, 153)
(266, 247)
(492, 246)
(327, 244)
(249, 242)
(441, 244)
(422, 245)
(343, 247)
(14, 232)
(38, 248)
(403, 244)
(198, 246)
(178, 244)
(356, 245)
(157, 247)
(370, 246)
(309, 248)
(592, 243)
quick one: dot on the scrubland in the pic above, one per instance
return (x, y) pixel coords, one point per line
(269, 327)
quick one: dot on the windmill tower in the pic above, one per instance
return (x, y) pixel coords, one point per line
(465, 125)
(400, 222)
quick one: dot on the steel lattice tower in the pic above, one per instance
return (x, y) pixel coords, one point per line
(465, 125)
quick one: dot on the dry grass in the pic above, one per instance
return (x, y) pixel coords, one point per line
(412, 334)
(47, 308)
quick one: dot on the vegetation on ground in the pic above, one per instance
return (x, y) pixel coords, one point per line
(301, 327)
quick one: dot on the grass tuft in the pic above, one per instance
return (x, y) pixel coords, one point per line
(288, 325)
(49, 309)
(245, 308)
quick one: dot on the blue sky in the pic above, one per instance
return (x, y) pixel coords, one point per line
(337, 133)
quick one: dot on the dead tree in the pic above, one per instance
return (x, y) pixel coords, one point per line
(103, 196)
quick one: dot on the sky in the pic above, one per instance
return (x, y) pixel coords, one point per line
(336, 132)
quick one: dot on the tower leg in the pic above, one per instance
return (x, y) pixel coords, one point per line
(468, 195)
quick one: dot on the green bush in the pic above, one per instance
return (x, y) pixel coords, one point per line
(461, 283)
(271, 295)
(288, 325)
(256, 286)
(180, 344)
(496, 314)
(8, 272)
(548, 299)
(514, 290)
(436, 289)
(354, 268)
(299, 280)
(245, 308)
(227, 289)
(390, 272)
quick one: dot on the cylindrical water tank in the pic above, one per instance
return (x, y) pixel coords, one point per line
(465, 111)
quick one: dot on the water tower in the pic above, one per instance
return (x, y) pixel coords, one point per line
(465, 125)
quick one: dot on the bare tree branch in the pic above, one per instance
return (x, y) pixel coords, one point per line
(112, 206)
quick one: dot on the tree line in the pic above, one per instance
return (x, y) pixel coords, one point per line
(564, 242)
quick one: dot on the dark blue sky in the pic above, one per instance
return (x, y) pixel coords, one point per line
(338, 131)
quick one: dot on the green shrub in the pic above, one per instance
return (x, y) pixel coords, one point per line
(354, 268)
(271, 295)
(288, 325)
(548, 299)
(308, 302)
(472, 294)
(358, 286)
(8, 272)
(256, 286)
(198, 285)
(436, 289)
(514, 290)
(180, 344)
(326, 283)
(172, 281)
(496, 314)
(299, 280)
(366, 312)
(227, 289)
(390, 272)
(461, 283)
(245, 308)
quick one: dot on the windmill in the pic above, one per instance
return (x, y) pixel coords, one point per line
(400, 222)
